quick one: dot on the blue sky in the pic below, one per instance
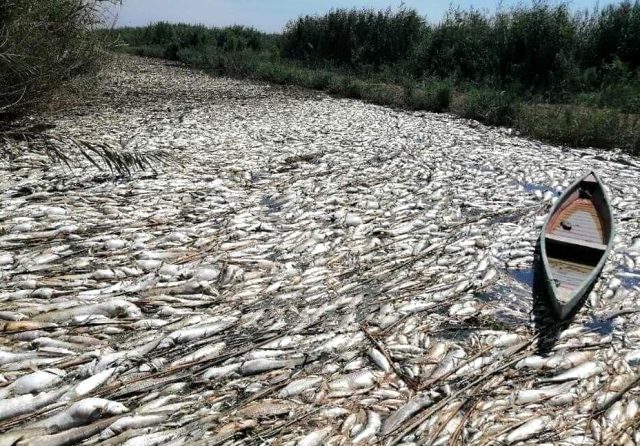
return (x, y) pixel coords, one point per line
(272, 15)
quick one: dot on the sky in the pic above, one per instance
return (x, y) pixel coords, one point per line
(272, 15)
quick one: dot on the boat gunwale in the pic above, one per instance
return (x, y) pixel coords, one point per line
(563, 308)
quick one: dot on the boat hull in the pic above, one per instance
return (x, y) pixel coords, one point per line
(575, 242)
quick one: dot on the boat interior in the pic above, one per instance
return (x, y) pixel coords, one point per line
(577, 237)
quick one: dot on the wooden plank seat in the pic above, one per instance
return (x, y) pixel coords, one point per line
(576, 242)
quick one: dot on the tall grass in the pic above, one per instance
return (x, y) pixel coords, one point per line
(172, 39)
(613, 35)
(536, 48)
(43, 44)
(357, 38)
(516, 67)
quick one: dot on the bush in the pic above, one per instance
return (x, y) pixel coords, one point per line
(383, 94)
(46, 43)
(353, 37)
(320, 80)
(531, 44)
(537, 51)
(460, 47)
(580, 127)
(434, 96)
(489, 106)
(614, 34)
(175, 37)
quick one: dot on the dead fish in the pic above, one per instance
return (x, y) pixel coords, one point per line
(28, 403)
(197, 332)
(10, 357)
(535, 395)
(404, 413)
(357, 380)
(256, 366)
(266, 409)
(37, 381)
(24, 325)
(448, 363)
(380, 360)
(230, 429)
(218, 372)
(315, 438)
(69, 436)
(583, 371)
(153, 438)
(300, 385)
(528, 429)
(208, 351)
(115, 308)
(568, 360)
(122, 285)
(88, 385)
(131, 422)
(82, 412)
(370, 430)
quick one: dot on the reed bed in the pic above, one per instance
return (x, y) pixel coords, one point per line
(44, 46)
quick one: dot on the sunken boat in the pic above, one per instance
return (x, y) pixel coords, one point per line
(575, 242)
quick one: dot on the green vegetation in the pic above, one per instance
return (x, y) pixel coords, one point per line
(44, 44)
(562, 77)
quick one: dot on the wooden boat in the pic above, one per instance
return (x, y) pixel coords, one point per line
(575, 242)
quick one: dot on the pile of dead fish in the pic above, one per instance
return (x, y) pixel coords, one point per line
(310, 271)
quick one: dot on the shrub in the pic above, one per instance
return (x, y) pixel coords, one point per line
(45, 44)
(614, 34)
(531, 44)
(226, 40)
(460, 47)
(581, 127)
(539, 50)
(489, 106)
(383, 94)
(353, 37)
(433, 96)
